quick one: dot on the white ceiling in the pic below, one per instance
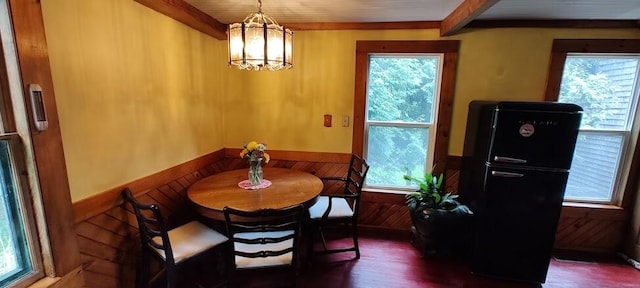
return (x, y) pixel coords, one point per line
(309, 11)
(570, 9)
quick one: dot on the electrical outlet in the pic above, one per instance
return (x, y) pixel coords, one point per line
(345, 121)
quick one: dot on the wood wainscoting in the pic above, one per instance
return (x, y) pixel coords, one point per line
(107, 231)
(591, 228)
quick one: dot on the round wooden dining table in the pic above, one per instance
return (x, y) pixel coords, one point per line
(288, 188)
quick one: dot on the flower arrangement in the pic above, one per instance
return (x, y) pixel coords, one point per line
(255, 152)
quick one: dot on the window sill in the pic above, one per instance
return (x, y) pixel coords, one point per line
(567, 204)
(45, 282)
(591, 206)
(388, 191)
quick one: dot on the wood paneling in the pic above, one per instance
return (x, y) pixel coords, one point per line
(107, 240)
(94, 205)
(445, 108)
(409, 46)
(384, 211)
(589, 234)
(107, 236)
(596, 45)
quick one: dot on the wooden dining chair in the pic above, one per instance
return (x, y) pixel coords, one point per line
(264, 239)
(339, 209)
(174, 247)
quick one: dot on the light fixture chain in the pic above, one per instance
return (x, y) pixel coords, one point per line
(260, 6)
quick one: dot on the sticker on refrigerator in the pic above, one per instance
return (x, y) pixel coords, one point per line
(527, 130)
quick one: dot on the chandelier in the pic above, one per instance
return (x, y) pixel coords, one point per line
(260, 43)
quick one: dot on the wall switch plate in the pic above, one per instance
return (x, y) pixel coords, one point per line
(345, 121)
(327, 120)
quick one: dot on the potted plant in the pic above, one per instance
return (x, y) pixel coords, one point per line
(440, 223)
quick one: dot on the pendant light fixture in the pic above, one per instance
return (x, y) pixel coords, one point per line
(260, 43)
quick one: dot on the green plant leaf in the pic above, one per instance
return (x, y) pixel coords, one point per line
(431, 196)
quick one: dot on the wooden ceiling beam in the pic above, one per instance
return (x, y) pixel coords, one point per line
(188, 15)
(466, 12)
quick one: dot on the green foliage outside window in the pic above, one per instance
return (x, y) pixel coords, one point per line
(603, 85)
(401, 93)
(13, 247)
(584, 85)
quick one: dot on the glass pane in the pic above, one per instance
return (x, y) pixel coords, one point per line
(603, 87)
(14, 259)
(594, 167)
(393, 150)
(402, 89)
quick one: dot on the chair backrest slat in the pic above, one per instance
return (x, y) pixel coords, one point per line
(150, 225)
(264, 254)
(266, 226)
(264, 240)
(356, 174)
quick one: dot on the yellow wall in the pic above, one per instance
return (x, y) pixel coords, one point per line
(508, 64)
(137, 92)
(285, 109)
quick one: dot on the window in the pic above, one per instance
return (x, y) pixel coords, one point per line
(402, 96)
(399, 123)
(18, 245)
(605, 84)
(606, 88)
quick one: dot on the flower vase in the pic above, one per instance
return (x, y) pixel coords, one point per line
(255, 171)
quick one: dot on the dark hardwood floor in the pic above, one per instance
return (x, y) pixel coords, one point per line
(392, 262)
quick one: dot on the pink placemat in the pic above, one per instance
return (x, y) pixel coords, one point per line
(246, 184)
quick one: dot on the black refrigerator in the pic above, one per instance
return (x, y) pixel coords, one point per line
(515, 166)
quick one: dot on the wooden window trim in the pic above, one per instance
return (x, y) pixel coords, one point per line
(6, 107)
(450, 50)
(31, 48)
(559, 51)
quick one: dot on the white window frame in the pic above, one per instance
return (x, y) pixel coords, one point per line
(21, 186)
(628, 134)
(432, 127)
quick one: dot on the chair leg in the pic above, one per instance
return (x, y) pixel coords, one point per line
(309, 244)
(354, 227)
(324, 242)
(142, 274)
(171, 277)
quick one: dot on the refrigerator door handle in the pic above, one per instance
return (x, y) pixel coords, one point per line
(509, 160)
(506, 174)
